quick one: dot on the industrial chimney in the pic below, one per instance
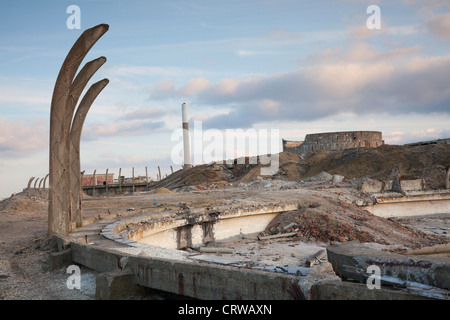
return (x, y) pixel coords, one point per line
(186, 145)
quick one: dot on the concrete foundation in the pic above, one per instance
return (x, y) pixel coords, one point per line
(112, 246)
(352, 259)
(342, 290)
(414, 204)
(118, 285)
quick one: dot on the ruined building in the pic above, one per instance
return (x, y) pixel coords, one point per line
(332, 141)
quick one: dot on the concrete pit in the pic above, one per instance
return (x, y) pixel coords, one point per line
(162, 246)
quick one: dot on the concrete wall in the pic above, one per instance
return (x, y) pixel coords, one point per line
(176, 237)
(335, 141)
(176, 232)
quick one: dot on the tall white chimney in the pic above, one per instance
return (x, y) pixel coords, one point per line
(186, 145)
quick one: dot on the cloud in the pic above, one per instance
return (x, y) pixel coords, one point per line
(402, 137)
(360, 80)
(428, 8)
(440, 26)
(144, 113)
(114, 161)
(23, 93)
(138, 121)
(147, 71)
(194, 86)
(358, 33)
(246, 53)
(130, 128)
(21, 138)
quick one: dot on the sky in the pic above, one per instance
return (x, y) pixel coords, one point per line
(292, 67)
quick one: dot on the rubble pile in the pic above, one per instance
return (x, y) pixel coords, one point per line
(427, 162)
(328, 221)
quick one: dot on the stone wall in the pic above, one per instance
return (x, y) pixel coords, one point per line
(332, 141)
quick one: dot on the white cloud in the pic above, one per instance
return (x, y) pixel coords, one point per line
(246, 53)
(361, 80)
(21, 138)
(402, 137)
(148, 71)
(440, 26)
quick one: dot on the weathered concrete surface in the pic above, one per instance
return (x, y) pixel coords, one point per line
(60, 259)
(334, 141)
(411, 185)
(100, 259)
(117, 285)
(170, 270)
(372, 186)
(195, 230)
(414, 204)
(341, 290)
(206, 281)
(197, 280)
(115, 189)
(375, 186)
(352, 259)
(320, 274)
(65, 96)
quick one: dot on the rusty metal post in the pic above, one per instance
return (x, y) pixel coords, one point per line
(65, 96)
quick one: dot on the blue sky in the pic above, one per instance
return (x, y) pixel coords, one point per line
(295, 66)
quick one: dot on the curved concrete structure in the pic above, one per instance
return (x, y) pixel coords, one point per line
(66, 93)
(107, 246)
(335, 141)
(173, 230)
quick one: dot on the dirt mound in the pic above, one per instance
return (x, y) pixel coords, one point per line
(27, 201)
(412, 161)
(426, 161)
(161, 190)
(329, 221)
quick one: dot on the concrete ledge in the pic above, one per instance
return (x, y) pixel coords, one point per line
(99, 259)
(117, 285)
(337, 290)
(191, 279)
(206, 281)
(375, 186)
(60, 259)
(351, 260)
(372, 186)
(175, 230)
